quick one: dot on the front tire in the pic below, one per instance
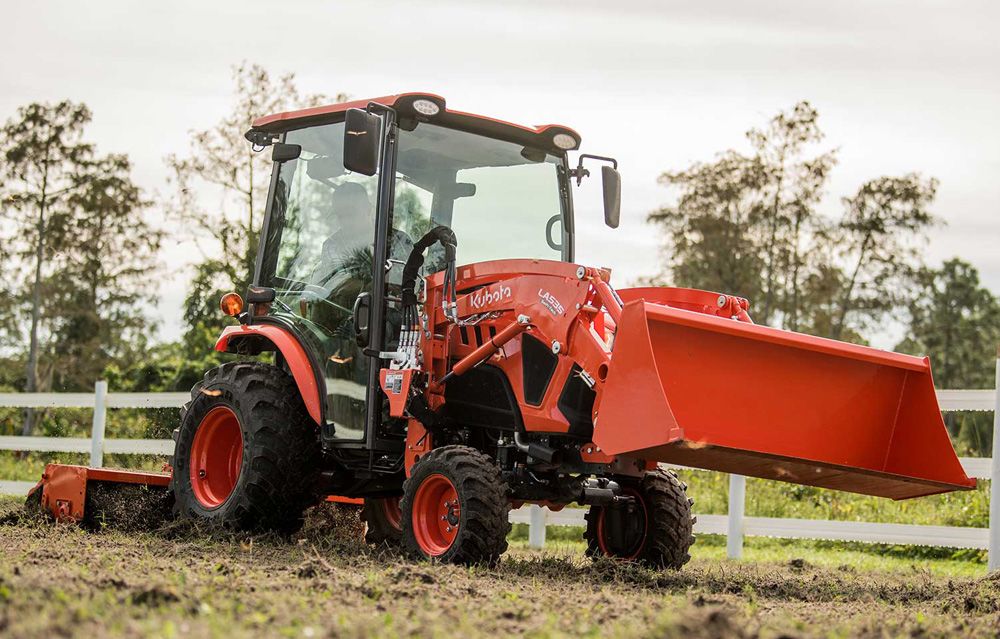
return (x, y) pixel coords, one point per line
(455, 508)
(247, 453)
(655, 530)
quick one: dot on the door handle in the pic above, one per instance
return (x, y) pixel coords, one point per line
(360, 317)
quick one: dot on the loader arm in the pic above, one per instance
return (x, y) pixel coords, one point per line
(683, 376)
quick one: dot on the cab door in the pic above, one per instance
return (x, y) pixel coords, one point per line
(318, 253)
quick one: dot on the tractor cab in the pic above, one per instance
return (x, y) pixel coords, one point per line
(354, 187)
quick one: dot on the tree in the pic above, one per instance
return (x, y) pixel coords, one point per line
(43, 157)
(78, 249)
(880, 238)
(792, 187)
(746, 223)
(956, 321)
(103, 281)
(223, 163)
(710, 228)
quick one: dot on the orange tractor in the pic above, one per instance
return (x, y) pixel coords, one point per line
(432, 350)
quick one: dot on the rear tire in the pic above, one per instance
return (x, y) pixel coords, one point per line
(383, 519)
(247, 453)
(656, 531)
(455, 508)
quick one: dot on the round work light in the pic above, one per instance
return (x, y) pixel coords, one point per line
(426, 107)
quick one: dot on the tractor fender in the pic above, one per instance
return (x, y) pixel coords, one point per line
(293, 352)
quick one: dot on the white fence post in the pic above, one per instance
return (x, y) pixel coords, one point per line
(737, 506)
(994, 552)
(536, 527)
(100, 418)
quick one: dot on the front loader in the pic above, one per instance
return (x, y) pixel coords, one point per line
(419, 338)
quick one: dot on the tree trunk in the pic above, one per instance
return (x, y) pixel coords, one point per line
(845, 302)
(773, 238)
(31, 374)
(793, 319)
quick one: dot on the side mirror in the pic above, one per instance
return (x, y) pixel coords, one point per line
(282, 152)
(612, 195)
(361, 141)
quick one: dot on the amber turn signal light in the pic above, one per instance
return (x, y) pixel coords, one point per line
(231, 304)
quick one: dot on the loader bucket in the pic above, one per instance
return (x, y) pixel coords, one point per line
(697, 390)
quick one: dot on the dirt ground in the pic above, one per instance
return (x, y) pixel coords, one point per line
(62, 581)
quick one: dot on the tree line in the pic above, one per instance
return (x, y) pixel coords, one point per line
(80, 249)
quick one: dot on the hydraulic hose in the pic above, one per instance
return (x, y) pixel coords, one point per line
(415, 260)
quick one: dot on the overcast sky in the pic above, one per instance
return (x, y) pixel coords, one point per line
(900, 86)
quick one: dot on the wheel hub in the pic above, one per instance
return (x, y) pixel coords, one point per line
(452, 516)
(437, 515)
(216, 457)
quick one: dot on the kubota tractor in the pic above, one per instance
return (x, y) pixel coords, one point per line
(429, 346)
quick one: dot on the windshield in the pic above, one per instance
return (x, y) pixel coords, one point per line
(501, 199)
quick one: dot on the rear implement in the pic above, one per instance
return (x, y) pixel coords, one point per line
(96, 497)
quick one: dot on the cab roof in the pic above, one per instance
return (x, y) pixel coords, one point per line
(540, 136)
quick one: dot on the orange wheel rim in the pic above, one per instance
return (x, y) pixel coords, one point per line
(630, 547)
(436, 515)
(392, 512)
(216, 457)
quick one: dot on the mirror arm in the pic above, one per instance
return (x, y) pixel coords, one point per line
(580, 172)
(378, 107)
(260, 139)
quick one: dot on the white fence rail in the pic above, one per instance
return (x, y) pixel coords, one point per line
(735, 525)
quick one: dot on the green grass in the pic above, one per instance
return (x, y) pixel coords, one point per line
(29, 466)
(856, 556)
(841, 555)
(777, 499)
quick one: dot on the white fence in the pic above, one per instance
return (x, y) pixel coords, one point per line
(100, 400)
(734, 525)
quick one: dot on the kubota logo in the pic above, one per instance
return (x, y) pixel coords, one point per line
(550, 302)
(485, 297)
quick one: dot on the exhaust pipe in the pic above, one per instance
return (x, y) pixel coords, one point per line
(535, 450)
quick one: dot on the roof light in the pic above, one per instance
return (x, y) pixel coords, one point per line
(564, 141)
(426, 107)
